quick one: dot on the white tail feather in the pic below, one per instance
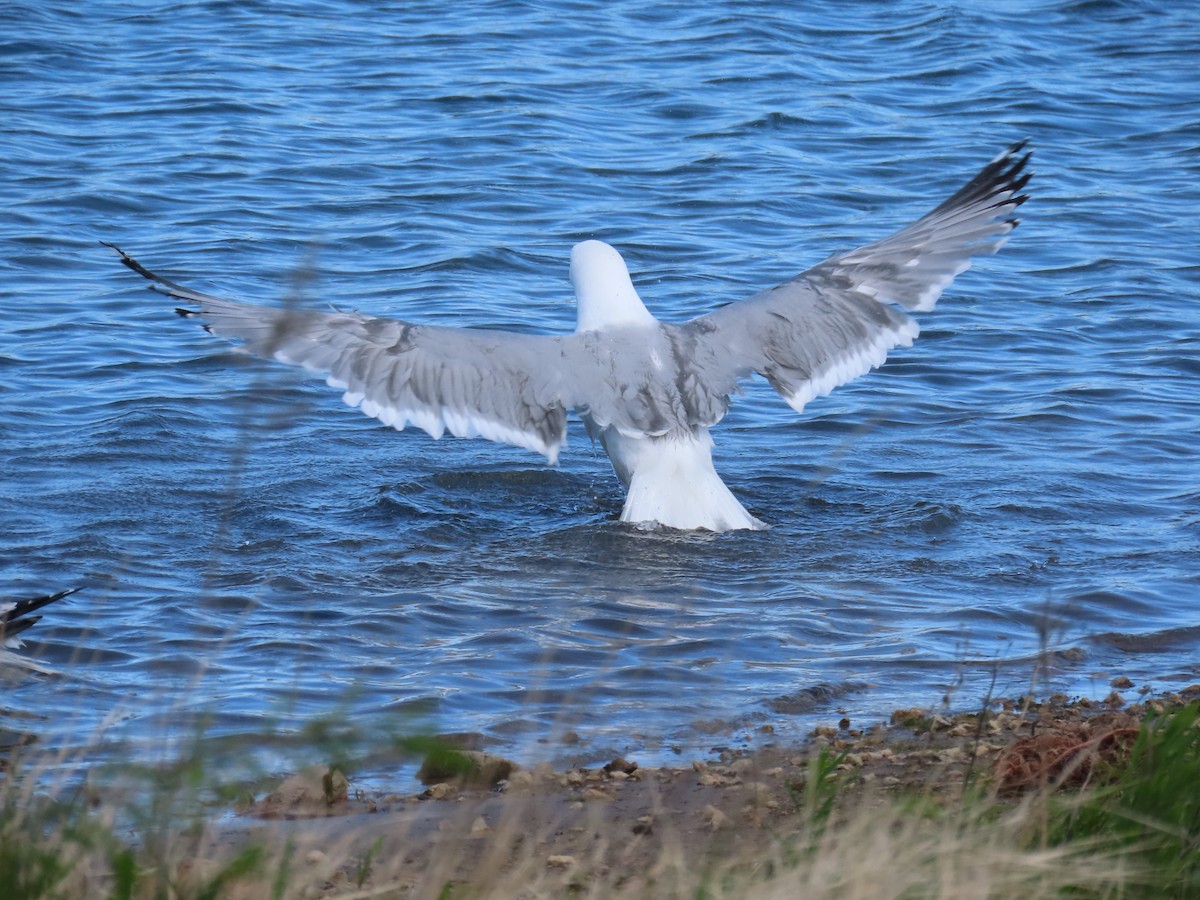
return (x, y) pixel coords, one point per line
(671, 481)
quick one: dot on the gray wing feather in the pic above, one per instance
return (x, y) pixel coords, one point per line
(497, 385)
(823, 328)
(833, 323)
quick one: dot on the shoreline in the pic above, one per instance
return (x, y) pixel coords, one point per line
(618, 829)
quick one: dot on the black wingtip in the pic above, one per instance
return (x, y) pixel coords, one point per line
(157, 282)
(1006, 174)
(192, 314)
(22, 608)
(126, 260)
(9, 630)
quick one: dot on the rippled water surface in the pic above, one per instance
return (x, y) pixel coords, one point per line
(1024, 479)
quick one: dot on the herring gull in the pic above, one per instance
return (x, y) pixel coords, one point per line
(647, 390)
(15, 619)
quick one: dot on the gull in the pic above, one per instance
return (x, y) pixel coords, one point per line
(15, 619)
(648, 391)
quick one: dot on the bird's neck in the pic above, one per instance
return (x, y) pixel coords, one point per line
(610, 304)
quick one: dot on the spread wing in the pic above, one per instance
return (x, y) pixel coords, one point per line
(503, 386)
(830, 325)
(498, 385)
(15, 616)
(839, 319)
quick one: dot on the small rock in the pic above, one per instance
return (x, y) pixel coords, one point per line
(710, 779)
(438, 791)
(910, 718)
(1114, 700)
(595, 794)
(480, 825)
(715, 818)
(520, 780)
(1121, 683)
(570, 737)
(618, 776)
(620, 765)
(311, 792)
(573, 778)
(312, 857)
(468, 767)
(560, 861)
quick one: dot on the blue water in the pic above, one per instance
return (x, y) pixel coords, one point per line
(1014, 499)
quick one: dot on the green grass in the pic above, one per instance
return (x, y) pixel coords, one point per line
(1148, 812)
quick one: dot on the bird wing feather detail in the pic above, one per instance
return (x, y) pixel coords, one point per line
(498, 385)
(839, 319)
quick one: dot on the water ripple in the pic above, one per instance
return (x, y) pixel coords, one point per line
(1013, 496)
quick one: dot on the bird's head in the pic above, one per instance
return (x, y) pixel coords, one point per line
(603, 290)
